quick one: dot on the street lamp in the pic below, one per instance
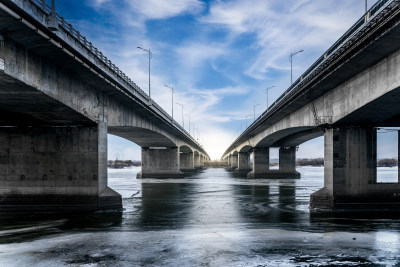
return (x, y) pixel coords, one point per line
(183, 122)
(366, 6)
(246, 119)
(172, 103)
(254, 109)
(150, 56)
(266, 91)
(189, 121)
(291, 65)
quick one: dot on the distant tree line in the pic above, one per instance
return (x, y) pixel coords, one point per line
(320, 162)
(119, 164)
(387, 163)
(310, 162)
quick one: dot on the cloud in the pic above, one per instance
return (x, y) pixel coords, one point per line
(162, 9)
(281, 27)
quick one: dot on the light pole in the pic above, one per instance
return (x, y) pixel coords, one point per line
(266, 91)
(183, 122)
(291, 65)
(246, 119)
(189, 121)
(366, 6)
(150, 55)
(254, 109)
(172, 103)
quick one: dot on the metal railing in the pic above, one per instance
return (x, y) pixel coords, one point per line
(68, 28)
(330, 55)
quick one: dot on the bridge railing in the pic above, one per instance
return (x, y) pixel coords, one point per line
(376, 10)
(67, 27)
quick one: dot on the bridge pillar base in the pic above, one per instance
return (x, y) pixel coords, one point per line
(273, 175)
(55, 169)
(108, 200)
(387, 200)
(160, 163)
(243, 170)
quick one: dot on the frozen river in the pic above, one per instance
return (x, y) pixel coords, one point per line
(213, 218)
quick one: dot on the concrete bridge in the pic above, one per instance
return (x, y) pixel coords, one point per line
(352, 89)
(59, 97)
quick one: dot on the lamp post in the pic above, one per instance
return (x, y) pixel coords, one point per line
(254, 109)
(150, 56)
(172, 102)
(291, 65)
(246, 119)
(366, 6)
(266, 91)
(183, 122)
(189, 121)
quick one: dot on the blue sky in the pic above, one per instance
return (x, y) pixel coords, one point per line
(220, 56)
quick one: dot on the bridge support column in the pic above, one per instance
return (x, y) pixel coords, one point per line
(160, 163)
(287, 165)
(197, 162)
(202, 159)
(55, 169)
(234, 162)
(243, 163)
(350, 174)
(260, 163)
(187, 162)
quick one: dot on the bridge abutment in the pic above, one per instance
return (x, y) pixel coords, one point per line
(350, 174)
(160, 163)
(55, 169)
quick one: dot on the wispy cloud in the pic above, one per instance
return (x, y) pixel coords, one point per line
(162, 9)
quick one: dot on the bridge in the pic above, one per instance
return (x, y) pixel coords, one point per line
(59, 97)
(352, 89)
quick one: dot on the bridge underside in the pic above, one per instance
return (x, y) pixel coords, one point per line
(23, 105)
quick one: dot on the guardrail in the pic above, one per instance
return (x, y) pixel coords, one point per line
(67, 27)
(377, 9)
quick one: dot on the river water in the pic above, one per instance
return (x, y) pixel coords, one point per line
(213, 218)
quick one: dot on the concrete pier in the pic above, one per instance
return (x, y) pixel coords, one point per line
(234, 162)
(243, 163)
(350, 174)
(187, 162)
(160, 163)
(287, 165)
(260, 163)
(55, 169)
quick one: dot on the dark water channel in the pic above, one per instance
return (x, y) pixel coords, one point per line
(213, 218)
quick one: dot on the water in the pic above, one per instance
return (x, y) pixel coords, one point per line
(213, 218)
